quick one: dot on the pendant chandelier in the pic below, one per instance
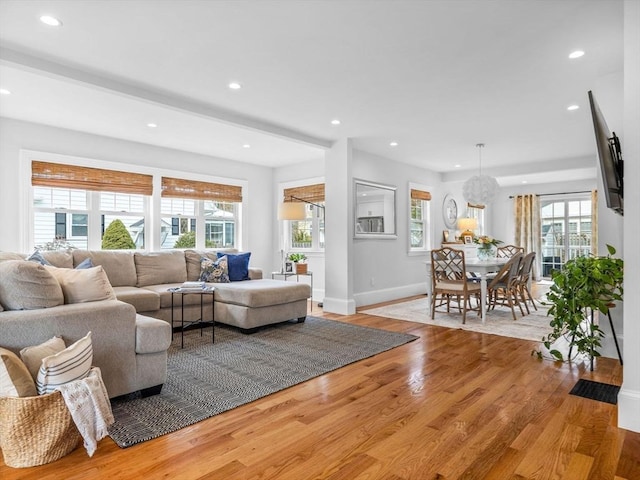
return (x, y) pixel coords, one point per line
(480, 189)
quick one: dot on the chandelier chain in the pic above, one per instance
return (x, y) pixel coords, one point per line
(480, 146)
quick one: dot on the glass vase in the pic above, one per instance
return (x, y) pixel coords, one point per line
(486, 252)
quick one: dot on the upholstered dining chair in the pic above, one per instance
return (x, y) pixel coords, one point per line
(504, 287)
(449, 282)
(524, 278)
(509, 251)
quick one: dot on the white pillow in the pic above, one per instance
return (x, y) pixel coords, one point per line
(15, 379)
(32, 356)
(72, 363)
(83, 285)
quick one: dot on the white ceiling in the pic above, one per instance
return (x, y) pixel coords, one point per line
(437, 76)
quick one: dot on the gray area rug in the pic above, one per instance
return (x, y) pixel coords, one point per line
(206, 379)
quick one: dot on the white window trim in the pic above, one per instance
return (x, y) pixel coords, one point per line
(428, 234)
(284, 227)
(153, 215)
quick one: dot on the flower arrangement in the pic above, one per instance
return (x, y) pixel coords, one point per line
(486, 241)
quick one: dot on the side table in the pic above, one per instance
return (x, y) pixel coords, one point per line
(202, 322)
(297, 275)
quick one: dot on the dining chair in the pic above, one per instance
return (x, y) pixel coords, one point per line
(524, 278)
(449, 282)
(504, 286)
(509, 251)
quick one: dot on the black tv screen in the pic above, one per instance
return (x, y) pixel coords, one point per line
(610, 158)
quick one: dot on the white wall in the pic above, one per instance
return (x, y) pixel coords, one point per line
(16, 135)
(383, 268)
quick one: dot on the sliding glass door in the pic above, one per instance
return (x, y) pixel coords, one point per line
(566, 231)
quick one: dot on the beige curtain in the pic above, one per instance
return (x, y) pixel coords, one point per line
(527, 223)
(594, 222)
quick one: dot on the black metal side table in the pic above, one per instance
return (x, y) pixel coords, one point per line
(189, 324)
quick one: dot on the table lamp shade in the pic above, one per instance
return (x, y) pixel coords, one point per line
(291, 211)
(467, 225)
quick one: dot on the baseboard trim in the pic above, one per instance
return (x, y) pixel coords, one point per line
(339, 306)
(388, 294)
(628, 408)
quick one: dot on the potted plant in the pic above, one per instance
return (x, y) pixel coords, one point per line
(299, 259)
(584, 286)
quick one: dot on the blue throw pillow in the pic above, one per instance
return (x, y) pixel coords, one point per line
(86, 263)
(37, 257)
(238, 265)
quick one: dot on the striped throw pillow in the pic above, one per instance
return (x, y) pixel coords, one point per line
(72, 363)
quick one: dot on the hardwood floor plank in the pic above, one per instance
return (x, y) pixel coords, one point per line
(451, 405)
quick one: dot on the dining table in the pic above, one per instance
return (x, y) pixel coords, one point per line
(480, 267)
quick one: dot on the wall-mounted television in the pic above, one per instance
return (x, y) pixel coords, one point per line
(610, 157)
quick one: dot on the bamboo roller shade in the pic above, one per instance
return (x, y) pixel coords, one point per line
(310, 193)
(218, 192)
(48, 174)
(420, 195)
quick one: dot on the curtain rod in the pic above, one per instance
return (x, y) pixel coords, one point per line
(559, 193)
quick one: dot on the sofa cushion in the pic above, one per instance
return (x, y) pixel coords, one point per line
(142, 299)
(61, 259)
(238, 265)
(32, 356)
(4, 256)
(72, 363)
(152, 335)
(194, 258)
(118, 264)
(160, 267)
(83, 285)
(214, 271)
(28, 286)
(15, 379)
(162, 291)
(261, 293)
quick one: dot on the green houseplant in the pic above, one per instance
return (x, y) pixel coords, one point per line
(584, 286)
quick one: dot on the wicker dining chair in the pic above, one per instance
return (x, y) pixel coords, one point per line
(509, 251)
(524, 277)
(449, 282)
(504, 287)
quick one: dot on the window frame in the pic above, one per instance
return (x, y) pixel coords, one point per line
(427, 224)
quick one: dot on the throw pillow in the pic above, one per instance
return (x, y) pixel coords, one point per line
(72, 363)
(238, 265)
(83, 265)
(214, 271)
(32, 356)
(28, 286)
(15, 379)
(37, 257)
(84, 285)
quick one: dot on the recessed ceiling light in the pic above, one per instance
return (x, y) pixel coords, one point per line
(335, 122)
(576, 54)
(246, 145)
(393, 144)
(152, 125)
(51, 21)
(457, 166)
(4, 91)
(573, 107)
(524, 181)
(235, 86)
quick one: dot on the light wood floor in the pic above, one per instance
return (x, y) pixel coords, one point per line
(452, 404)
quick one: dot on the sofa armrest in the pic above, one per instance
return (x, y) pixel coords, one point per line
(255, 273)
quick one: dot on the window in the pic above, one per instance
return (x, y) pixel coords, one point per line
(566, 232)
(419, 222)
(77, 204)
(477, 212)
(307, 234)
(187, 204)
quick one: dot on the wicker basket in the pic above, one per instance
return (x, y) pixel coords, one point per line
(36, 430)
(301, 268)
